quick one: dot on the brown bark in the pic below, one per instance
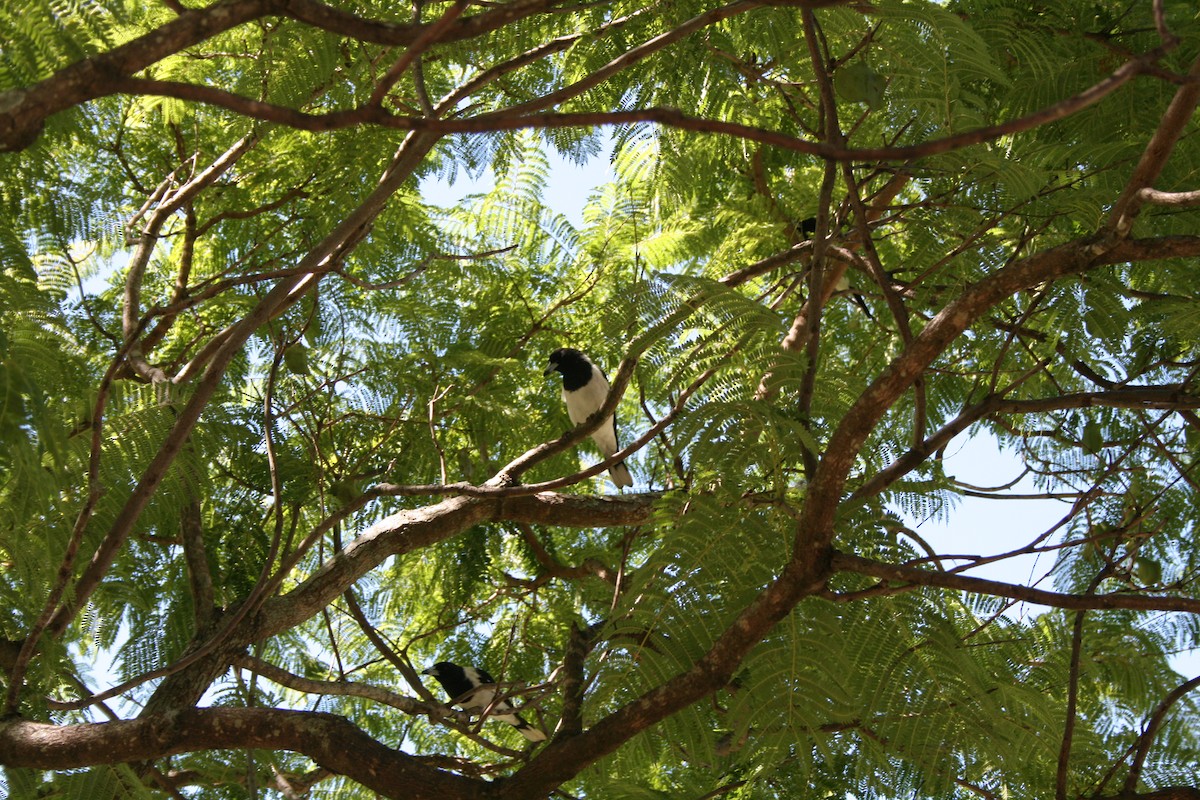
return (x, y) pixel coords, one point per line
(329, 740)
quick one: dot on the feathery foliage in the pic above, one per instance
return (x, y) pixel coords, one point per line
(270, 407)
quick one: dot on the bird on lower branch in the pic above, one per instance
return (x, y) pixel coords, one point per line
(473, 690)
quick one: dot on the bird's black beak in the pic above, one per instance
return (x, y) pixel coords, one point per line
(549, 368)
(430, 671)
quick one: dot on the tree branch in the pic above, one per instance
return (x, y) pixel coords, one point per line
(410, 530)
(1176, 199)
(1146, 740)
(1137, 397)
(1178, 115)
(379, 694)
(23, 112)
(329, 740)
(846, 562)
(318, 261)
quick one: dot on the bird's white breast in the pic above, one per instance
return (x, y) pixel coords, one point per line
(584, 401)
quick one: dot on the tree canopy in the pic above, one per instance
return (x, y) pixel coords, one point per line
(275, 437)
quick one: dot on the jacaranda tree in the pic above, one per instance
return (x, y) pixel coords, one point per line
(275, 437)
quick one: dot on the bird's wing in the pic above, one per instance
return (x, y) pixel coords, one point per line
(605, 436)
(479, 675)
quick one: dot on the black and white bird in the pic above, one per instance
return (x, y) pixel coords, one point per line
(807, 228)
(473, 690)
(585, 388)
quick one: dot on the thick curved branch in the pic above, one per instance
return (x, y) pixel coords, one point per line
(329, 740)
(23, 112)
(815, 532)
(666, 117)
(816, 529)
(410, 530)
(186, 680)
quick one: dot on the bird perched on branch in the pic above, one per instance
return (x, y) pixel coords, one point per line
(585, 388)
(807, 228)
(474, 691)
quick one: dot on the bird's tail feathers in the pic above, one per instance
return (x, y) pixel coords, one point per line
(528, 731)
(620, 475)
